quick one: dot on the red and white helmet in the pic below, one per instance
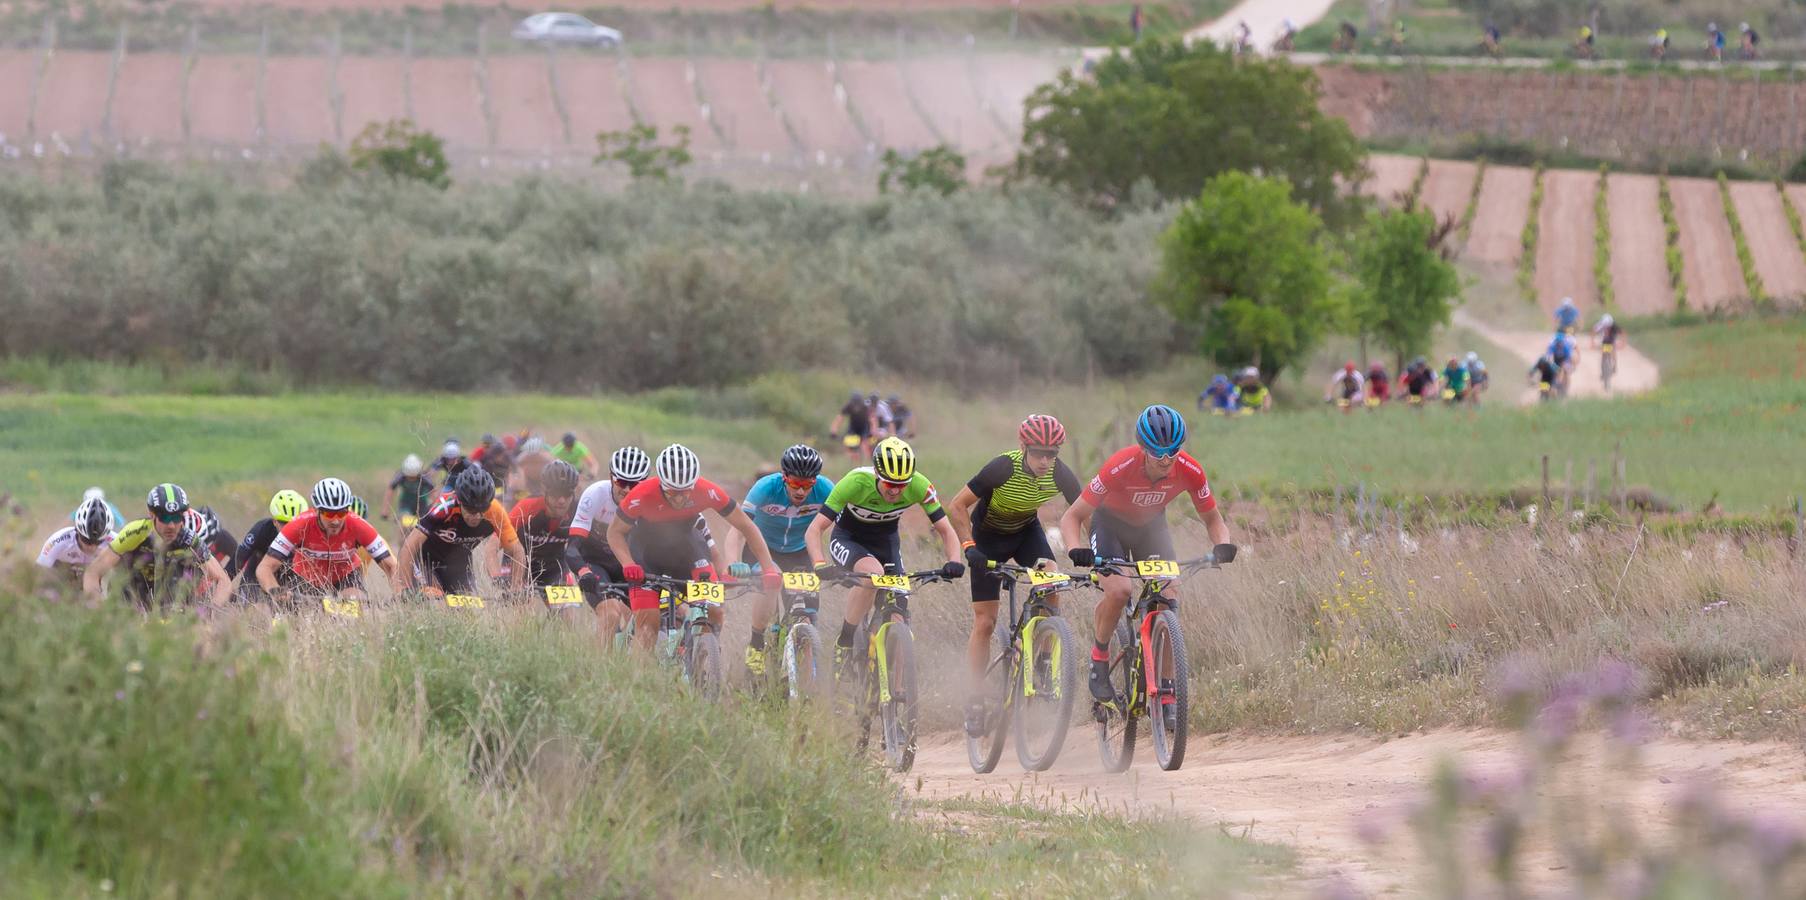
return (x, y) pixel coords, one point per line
(1041, 431)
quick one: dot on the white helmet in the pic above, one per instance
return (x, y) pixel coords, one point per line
(1567, 301)
(1606, 320)
(678, 467)
(1473, 356)
(332, 494)
(630, 464)
(531, 445)
(411, 466)
(1711, 26)
(1251, 372)
(1745, 27)
(94, 493)
(93, 520)
(451, 450)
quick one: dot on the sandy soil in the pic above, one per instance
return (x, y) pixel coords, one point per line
(663, 95)
(878, 96)
(1313, 792)
(373, 92)
(1005, 81)
(1564, 247)
(1710, 257)
(446, 102)
(526, 118)
(1636, 373)
(1447, 188)
(1498, 229)
(593, 97)
(1639, 245)
(149, 102)
(805, 91)
(1392, 176)
(1771, 240)
(946, 92)
(752, 126)
(74, 98)
(661, 5)
(17, 68)
(296, 106)
(222, 100)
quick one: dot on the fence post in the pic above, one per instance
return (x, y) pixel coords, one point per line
(1543, 512)
(189, 49)
(407, 74)
(1567, 491)
(106, 115)
(263, 61)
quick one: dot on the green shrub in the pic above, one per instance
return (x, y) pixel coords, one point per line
(1602, 241)
(1672, 229)
(1473, 200)
(399, 149)
(1532, 230)
(1752, 279)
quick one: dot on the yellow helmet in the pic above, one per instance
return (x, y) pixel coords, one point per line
(286, 505)
(893, 460)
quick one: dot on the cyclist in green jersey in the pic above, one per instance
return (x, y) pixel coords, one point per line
(862, 512)
(166, 560)
(997, 513)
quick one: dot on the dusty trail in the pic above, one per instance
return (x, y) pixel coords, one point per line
(1311, 792)
(1636, 372)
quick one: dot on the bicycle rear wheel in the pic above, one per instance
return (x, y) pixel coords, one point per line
(986, 749)
(1169, 650)
(1115, 727)
(1043, 695)
(898, 715)
(704, 665)
(803, 661)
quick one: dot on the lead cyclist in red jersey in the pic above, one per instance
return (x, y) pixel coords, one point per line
(320, 547)
(1125, 505)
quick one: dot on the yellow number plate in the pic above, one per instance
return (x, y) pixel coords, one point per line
(1448, 393)
(1037, 577)
(850, 441)
(706, 592)
(463, 601)
(891, 582)
(802, 581)
(563, 595)
(1157, 568)
(343, 608)
(1606, 348)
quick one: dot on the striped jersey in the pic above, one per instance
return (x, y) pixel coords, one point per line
(1009, 497)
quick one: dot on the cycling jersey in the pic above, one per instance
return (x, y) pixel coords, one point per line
(1122, 487)
(156, 569)
(1418, 381)
(445, 528)
(856, 506)
(64, 549)
(1253, 396)
(415, 494)
(1546, 371)
(782, 522)
(257, 542)
(326, 560)
(859, 417)
(1223, 397)
(451, 467)
(1378, 386)
(1347, 385)
(1561, 349)
(1455, 378)
(1610, 335)
(547, 536)
(647, 503)
(1010, 499)
(1566, 316)
(575, 454)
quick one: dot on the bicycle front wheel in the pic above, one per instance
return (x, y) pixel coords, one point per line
(1043, 694)
(1115, 723)
(1169, 708)
(898, 713)
(803, 661)
(703, 667)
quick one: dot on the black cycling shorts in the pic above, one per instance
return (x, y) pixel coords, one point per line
(860, 427)
(448, 568)
(1024, 548)
(546, 569)
(846, 548)
(674, 550)
(1112, 538)
(795, 561)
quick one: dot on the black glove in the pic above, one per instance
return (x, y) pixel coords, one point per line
(1083, 557)
(976, 559)
(953, 569)
(590, 583)
(1223, 553)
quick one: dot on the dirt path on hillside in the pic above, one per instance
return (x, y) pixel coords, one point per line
(1639, 245)
(1636, 373)
(1776, 251)
(1264, 18)
(1564, 247)
(1498, 230)
(1314, 793)
(1709, 256)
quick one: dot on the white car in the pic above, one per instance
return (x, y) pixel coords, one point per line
(565, 28)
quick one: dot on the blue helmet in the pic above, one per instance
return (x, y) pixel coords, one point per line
(1160, 430)
(1220, 381)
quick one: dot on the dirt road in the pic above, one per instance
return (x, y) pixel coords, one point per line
(1264, 18)
(1636, 372)
(1313, 792)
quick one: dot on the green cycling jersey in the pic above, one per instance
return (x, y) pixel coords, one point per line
(855, 503)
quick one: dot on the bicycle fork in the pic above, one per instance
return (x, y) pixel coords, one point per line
(880, 663)
(1027, 640)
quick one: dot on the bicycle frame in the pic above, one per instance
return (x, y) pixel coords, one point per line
(1023, 619)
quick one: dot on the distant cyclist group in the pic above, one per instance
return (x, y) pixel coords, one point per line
(1585, 43)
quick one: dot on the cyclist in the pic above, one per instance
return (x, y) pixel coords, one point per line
(1658, 44)
(1125, 507)
(1379, 385)
(1490, 39)
(1242, 39)
(284, 507)
(1562, 350)
(997, 514)
(1476, 376)
(495, 456)
(1346, 37)
(782, 504)
(320, 546)
(543, 522)
(1254, 396)
(1583, 45)
(1547, 373)
(440, 549)
(1221, 396)
(410, 492)
(1419, 379)
(1397, 41)
(863, 513)
(1609, 335)
(587, 553)
(857, 417)
(1455, 380)
(1747, 48)
(1714, 42)
(165, 561)
(73, 547)
(882, 421)
(451, 461)
(1288, 36)
(218, 541)
(530, 461)
(115, 521)
(577, 454)
(1567, 316)
(655, 532)
(1346, 386)
(903, 421)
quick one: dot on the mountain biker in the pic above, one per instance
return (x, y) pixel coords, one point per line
(1124, 506)
(863, 513)
(1254, 396)
(856, 416)
(73, 547)
(997, 514)
(1221, 396)
(903, 421)
(1288, 36)
(530, 461)
(543, 523)
(1397, 39)
(574, 452)
(782, 504)
(1561, 349)
(1658, 44)
(1476, 375)
(115, 521)
(1379, 385)
(1419, 379)
(1242, 38)
(217, 540)
(1749, 41)
(451, 461)
(1567, 316)
(410, 492)
(1714, 42)
(165, 561)
(587, 553)
(1347, 36)
(883, 422)
(284, 507)
(1455, 380)
(496, 457)
(439, 551)
(1346, 386)
(1608, 332)
(320, 548)
(1490, 38)
(654, 533)
(1583, 45)
(1546, 372)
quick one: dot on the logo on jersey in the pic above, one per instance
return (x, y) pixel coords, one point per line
(1097, 485)
(1148, 498)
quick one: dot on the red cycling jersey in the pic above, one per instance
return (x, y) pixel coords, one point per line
(323, 559)
(1122, 487)
(647, 503)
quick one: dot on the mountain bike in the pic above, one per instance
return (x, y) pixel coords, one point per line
(1147, 663)
(884, 667)
(793, 635)
(686, 638)
(1608, 365)
(1031, 682)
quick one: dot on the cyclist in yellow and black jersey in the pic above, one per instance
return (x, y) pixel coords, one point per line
(166, 561)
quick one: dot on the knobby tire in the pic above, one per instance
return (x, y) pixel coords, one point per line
(1041, 721)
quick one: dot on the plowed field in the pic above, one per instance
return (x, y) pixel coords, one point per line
(1710, 257)
(1771, 240)
(879, 97)
(1639, 246)
(805, 92)
(1564, 248)
(738, 100)
(1498, 229)
(1447, 188)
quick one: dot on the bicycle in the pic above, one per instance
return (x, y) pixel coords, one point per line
(1034, 695)
(1608, 365)
(884, 667)
(795, 634)
(1146, 643)
(686, 639)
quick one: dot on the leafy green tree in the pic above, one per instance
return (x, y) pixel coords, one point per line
(639, 150)
(940, 168)
(399, 149)
(1177, 116)
(1248, 264)
(1404, 286)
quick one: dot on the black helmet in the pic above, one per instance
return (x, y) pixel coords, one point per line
(474, 488)
(801, 461)
(559, 478)
(167, 500)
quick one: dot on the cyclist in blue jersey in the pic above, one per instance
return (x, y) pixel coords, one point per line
(1222, 396)
(1567, 316)
(782, 505)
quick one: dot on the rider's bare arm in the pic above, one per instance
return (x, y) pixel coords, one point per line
(97, 571)
(959, 512)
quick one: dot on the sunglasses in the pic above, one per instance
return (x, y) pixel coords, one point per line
(1161, 457)
(1044, 452)
(170, 518)
(800, 482)
(892, 485)
(626, 485)
(334, 515)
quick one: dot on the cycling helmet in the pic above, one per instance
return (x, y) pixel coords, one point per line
(1473, 356)
(800, 461)
(451, 450)
(167, 500)
(286, 505)
(678, 467)
(209, 523)
(569, 439)
(194, 524)
(1160, 430)
(894, 460)
(92, 520)
(855, 395)
(359, 508)
(1219, 380)
(558, 478)
(475, 489)
(1041, 431)
(332, 494)
(1251, 372)
(411, 466)
(532, 445)
(1606, 320)
(630, 464)
(1348, 366)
